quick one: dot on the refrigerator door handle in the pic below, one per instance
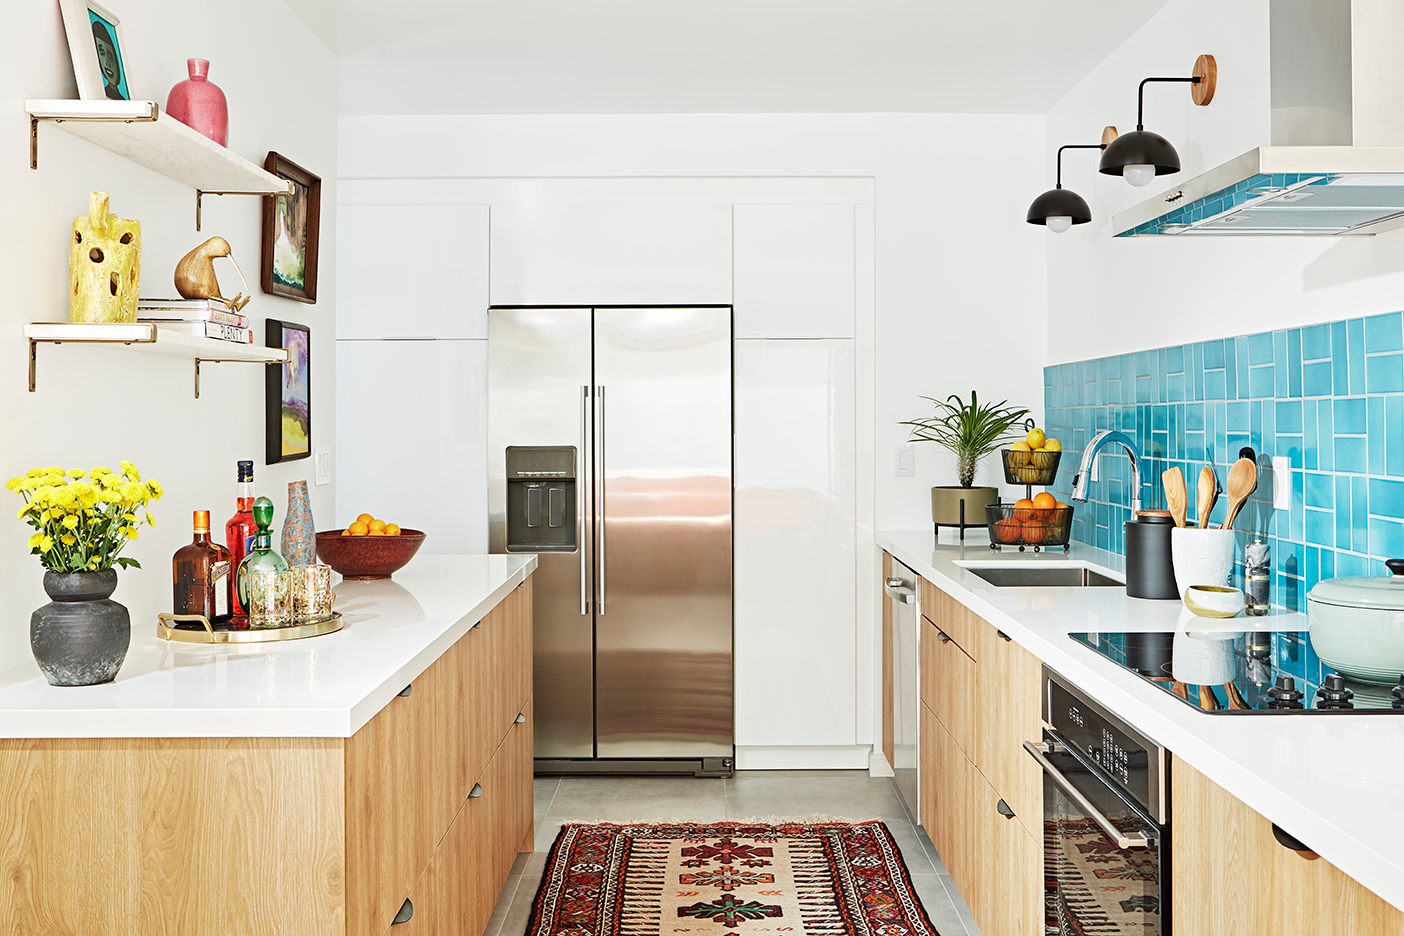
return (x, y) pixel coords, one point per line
(600, 497)
(580, 511)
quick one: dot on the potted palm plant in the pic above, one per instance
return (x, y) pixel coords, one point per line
(970, 431)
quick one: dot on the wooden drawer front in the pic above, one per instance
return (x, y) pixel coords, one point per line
(396, 803)
(953, 830)
(1217, 837)
(948, 682)
(1006, 890)
(509, 637)
(951, 616)
(1007, 691)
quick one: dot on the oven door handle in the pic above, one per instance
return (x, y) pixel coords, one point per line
(1135, 840)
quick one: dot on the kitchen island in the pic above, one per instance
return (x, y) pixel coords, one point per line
(1333, 782)
(317, 786)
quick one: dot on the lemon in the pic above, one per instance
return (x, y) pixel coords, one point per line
(1021, 447)
(1052, 445)
(1034, 438)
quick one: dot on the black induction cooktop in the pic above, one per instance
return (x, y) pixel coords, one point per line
(1252, 673)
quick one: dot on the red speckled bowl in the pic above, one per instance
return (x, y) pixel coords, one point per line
(368, 557)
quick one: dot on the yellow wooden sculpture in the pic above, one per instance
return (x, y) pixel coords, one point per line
(104, 266)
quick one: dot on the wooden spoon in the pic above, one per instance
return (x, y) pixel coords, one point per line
(1208, 494)
(1175, 496)
(1242, 482)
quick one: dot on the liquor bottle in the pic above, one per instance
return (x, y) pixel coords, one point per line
(239, 531)
(200, 573)
(262, 557)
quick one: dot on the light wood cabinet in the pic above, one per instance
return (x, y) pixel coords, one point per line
(948, 685)
(1007, 693)
(304, 836)
(1229, 874)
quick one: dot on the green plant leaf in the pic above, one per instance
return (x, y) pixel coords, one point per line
(970, 431)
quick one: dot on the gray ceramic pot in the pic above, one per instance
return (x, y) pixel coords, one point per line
(81, 637)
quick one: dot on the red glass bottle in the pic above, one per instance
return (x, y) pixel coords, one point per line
(240, 530)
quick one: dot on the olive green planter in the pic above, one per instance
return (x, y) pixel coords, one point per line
(947, 501)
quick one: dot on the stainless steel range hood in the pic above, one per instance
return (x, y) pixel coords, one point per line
(1336, 165)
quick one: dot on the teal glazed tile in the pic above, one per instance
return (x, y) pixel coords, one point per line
(1216, 385)
(1349, 564)
(1197, 352)
(1316, 379)
(1289, 417)
(1320, 490)
(1350, 416)
(1350, 454)
(1356, 351)
(1145, 366)
(1290, 447)
(1386, 373)
(1238, 417)
(1175, 359)
(1386, 499)
(1328, 565)
(1321, 527)
(1242, 366)
(1194, 446)
(1316, 342)
(1382, 333)
(1375, 440)
(1340, 359)
(1394, 436)
(1342, 512)
(1360, 514)
(1313, 562)
(1213, 352)
(1143, 389)
(1194, 417)
(1294, 362)
(1310, 446)
(1386, 537)
(1175, 388)
(1260, 348)
(1261, 383)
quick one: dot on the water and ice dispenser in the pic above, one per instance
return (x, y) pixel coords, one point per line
(541, 498)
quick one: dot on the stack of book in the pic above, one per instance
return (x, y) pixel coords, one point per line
(208, 318)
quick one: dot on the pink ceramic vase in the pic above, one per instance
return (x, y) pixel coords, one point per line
(199, 104)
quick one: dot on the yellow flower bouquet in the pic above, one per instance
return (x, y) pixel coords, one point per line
(83, 519)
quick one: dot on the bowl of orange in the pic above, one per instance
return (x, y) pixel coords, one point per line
(1038, 522)
(368, 548)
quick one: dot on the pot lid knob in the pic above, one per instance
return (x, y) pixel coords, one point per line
(1285, 694)
(1333, 693)
(1395, 566)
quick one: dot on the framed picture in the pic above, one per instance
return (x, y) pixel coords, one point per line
(290, 233)
(287, 393)
(98, 51)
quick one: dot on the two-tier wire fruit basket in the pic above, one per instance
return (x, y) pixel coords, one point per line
(1021, 524)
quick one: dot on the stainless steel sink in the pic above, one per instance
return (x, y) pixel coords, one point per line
(1034, 576)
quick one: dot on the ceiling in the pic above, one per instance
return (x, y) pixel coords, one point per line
(722, 56)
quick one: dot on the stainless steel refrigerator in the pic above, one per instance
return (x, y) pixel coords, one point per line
(610, 457)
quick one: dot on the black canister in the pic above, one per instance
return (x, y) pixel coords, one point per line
(1150, 573)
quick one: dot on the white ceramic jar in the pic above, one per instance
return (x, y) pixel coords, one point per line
(1201, 557)
(1357, 625)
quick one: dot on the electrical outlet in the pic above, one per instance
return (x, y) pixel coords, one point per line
(323, 459)
(904, 460)
(1281, 482)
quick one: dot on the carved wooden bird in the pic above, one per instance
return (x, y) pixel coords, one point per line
(195, 273)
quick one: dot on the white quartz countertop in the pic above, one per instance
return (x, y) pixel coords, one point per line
(1335, 782)
(327, 686)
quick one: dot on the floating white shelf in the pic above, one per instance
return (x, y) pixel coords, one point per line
(139, 131)
(151, 338)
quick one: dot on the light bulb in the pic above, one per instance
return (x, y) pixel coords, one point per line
(1058, 223)
(1138, 175)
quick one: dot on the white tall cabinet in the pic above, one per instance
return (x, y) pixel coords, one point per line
(414, 283)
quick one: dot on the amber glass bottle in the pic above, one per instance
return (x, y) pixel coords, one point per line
(201, 575)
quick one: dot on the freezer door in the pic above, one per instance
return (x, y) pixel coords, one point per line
(663, 628)
(539, 379)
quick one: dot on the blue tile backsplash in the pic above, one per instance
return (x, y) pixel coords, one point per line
(1328, 397)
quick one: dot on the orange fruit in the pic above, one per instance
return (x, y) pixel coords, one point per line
(376, 533)
(1044, 501)
(346, 532)
(1008, 530)
(365, 518)
(1035, 532)
(1024, 510)
(357, 529)
(392, 530)
(374, 525)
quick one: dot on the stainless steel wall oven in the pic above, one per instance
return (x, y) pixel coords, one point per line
(1106, 822)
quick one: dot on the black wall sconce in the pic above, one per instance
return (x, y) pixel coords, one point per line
(1060, 208)
(1141, 156)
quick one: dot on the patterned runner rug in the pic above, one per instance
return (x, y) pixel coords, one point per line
(802, 878)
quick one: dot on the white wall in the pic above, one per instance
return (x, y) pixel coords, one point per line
(960, 277)
(1109, 296)
(94, 405)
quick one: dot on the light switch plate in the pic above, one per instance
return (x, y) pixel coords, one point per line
(323, 459)
(1281, 482)
(904, 460)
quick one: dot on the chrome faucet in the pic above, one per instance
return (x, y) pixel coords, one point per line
(1085, 472)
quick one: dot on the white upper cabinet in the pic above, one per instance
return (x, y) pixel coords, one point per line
(611, 254)
(412, 271)
(794, 271)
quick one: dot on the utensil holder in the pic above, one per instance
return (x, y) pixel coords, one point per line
(1201, 557)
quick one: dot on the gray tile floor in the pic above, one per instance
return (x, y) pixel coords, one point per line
(835, 794)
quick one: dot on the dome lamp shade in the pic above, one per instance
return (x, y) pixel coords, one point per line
(1141, 155)
(1059, 208)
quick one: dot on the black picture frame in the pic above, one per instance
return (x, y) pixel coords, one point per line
(287, 393)
(295, 223)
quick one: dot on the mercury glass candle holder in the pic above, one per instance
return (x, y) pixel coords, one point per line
(311, 592)
(270, 599)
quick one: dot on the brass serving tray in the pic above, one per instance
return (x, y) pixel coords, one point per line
(209, 635)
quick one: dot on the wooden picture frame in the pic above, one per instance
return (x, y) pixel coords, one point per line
(291, 231)
(287, 393)
(101, 75)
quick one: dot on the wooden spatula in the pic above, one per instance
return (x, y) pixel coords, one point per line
(1208, 494)
(1176, 498)
(1242, 482)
